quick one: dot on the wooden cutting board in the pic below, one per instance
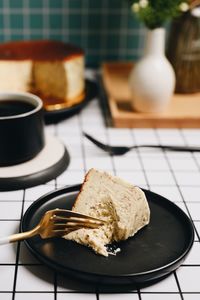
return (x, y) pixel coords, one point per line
(183, 110)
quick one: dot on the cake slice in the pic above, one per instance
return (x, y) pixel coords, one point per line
(53, 70)
(123, 206)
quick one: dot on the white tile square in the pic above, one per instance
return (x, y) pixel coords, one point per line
(12, 196)
(155, 164)
(93, 151)
(6, 296)
(73, 139)
(170, 192)
(197, 226)
(160, 178)
(34, 278)
(136, 178)
(172, 140)
(93, 123)
(192, 139)
(178, 155)
(6, 278)
(120, 296)
(193, 257)
(166, 285)
(102, 163)
(34, 193)
(153, 155)
(70, 177)
(194, 209)
(165, 132)
(191, 194)
(191, 132)
(127, 163)
(181, 164)
(197, 158)
(188, 178)
(34, 296)
(76, 296)
(191, 297)
(76, 164)
(8, 252)
(122, 132)
(70, 141)
(74, 150)
(10, 210)
(8, 227)
(189, 279)
(161, 296)
(145, 136)
(68, 126)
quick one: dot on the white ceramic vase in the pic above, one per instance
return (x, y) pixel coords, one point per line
(152, 80)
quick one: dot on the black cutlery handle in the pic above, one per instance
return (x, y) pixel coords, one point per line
(171, 147)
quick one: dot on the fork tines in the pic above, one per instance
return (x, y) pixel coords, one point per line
(72, 219)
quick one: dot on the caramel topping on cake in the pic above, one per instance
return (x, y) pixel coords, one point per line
(43, 50)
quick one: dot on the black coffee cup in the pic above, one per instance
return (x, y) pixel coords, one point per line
(21, 127)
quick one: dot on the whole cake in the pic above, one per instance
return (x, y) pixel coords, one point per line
(123, 206)
(51, 69)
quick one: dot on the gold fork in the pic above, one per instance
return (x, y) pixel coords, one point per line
(55, 223)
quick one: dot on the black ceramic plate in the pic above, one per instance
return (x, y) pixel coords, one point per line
(55, 116)
(152, 253)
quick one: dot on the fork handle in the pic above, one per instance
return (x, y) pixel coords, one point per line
(18, 236)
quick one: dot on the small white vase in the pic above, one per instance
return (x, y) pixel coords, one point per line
(152, 80)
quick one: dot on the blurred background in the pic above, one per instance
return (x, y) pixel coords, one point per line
(105, 29)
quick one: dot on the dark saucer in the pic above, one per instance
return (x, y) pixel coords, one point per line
(47, 165)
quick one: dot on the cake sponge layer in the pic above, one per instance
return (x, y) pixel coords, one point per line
(123, 206)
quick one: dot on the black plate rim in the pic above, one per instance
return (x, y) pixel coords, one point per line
(75, 188)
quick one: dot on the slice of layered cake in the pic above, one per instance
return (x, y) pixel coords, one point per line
(51, 69)
(123, 206)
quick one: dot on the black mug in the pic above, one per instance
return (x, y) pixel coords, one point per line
(21, 127)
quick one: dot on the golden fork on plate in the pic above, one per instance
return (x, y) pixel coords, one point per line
(55, 223)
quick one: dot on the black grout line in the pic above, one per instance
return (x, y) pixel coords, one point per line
(174, 177)
(55, 286)
(140, 159)
(177, 185)
(197, 164)
(139, 294)
(110, 155)
(18, 251)
(178, 284)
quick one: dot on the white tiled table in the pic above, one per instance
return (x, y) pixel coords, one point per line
(173, 175)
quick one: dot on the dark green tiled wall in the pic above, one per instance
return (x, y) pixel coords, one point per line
(106, 29)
